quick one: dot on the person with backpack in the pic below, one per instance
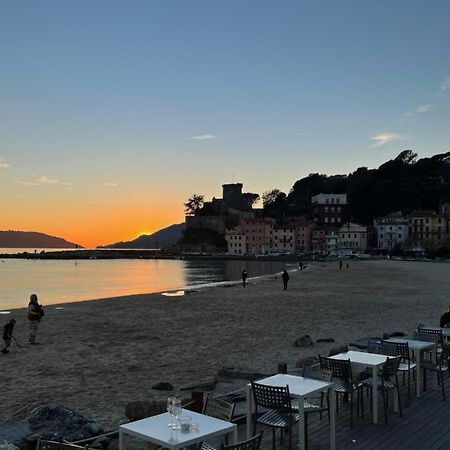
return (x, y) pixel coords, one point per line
(35, 314)
(8, 330)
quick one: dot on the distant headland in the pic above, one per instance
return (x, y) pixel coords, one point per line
(32, 239)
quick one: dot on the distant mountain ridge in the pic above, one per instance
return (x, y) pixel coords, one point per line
(162, 238)
(32, 239)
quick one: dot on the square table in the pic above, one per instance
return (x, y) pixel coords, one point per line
(301, 388)
(154, 429)
(373, 360)
(419, 347)
(445, 330)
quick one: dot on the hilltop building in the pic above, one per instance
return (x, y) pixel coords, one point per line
(329, 209)
(391, 231)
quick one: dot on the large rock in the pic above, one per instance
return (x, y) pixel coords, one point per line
(141, 409)
(303, 341)
(241, 372)
(163, 386)
(51, 421)
(205, 384)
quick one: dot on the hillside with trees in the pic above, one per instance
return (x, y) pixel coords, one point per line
(405, 184)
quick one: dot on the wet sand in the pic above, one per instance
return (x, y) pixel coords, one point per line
(96, 356)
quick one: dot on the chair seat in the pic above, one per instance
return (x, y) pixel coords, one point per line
(274, 418)
(204, 446)
(430, 365)
(343, 387)
(386, 386)
(403, 367)
(308, 406)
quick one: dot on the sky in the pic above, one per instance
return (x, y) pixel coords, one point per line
(113, 113)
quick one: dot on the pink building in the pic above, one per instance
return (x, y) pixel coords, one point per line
(303, 234)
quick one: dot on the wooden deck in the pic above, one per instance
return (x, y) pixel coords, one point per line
(425, 425)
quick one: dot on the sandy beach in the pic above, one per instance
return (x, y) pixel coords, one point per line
(96, 356)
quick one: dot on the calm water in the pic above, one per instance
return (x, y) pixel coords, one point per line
(69, 281)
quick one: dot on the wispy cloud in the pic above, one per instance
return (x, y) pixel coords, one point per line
(44, 179)
(445, 85)
(27, 183)
(385, 138)
(106, 184)
(203, 137)
(4, 165)
(411, 116)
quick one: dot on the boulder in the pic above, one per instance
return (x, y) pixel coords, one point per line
(303, 341)
(51, 421)
(206, 384)
(141, 409)
(241, 373)
(163, 386)
(325, 340)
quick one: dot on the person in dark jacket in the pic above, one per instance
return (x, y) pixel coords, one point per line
(35, 314)
(285, 278)
(8, 330)
(445, 318)
(244, 278)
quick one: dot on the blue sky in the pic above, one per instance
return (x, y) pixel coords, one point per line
(151, 101)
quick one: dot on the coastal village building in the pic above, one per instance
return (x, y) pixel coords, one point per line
(254, 230)
(303, 235)
(283, 239)
(427, 231)
(319, 241)
(332, 241)
(329, 209)
(352, 239)
(392, 231)
(236, 241)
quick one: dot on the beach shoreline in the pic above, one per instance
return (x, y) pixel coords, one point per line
(96, 356)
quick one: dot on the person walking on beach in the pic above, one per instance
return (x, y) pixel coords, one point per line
(35, 314)
(285, 278)
(8, 335)
(244, 278)
(340, 265)
(301, 265)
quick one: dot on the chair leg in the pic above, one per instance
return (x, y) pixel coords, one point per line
(442, 383)
(384, 407)
(273, 438)
(305, 421)
(424, 380)
(290, 431)
(351, 410)
(399, 400)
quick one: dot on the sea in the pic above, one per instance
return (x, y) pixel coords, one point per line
(65, 281)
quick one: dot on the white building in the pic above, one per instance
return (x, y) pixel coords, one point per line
(391, 230)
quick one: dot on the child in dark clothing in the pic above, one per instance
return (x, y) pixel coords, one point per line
(8, 335)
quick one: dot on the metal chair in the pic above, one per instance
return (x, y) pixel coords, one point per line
(343, 383)
(388, 382)
(253, 443)
(401, 349)
(431, 335)
(439, 368)
(218, 408)
(280, 413)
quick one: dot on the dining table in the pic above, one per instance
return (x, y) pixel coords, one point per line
(301, 388)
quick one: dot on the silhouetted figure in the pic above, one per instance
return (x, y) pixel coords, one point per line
(301, 265)
(445, 318)
(285, 278)
(244, 278)
(35, 314)
(8, 330)
(340, 265)
(347, 266)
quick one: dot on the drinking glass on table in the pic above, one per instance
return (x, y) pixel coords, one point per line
(169, 409)
(176, 412)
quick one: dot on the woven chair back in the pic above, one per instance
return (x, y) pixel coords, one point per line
(390, 367)
(218, 408)
(272, 397)
(338, 367)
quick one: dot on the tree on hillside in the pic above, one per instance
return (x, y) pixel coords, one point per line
(274, 203)
(194, 204)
